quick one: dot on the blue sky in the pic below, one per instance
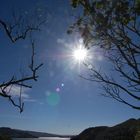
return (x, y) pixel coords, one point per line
(60, 102)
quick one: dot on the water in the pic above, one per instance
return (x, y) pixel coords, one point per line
(45, 138)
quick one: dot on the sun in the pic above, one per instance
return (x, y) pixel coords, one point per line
(80, 54)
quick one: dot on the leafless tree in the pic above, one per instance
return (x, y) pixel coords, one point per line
(20, 29)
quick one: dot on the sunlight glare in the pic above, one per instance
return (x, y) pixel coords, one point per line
(80, 54)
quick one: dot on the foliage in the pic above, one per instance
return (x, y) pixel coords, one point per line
(113, 26)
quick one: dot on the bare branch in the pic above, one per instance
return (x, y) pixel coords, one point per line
(21, 82)
(11, 29)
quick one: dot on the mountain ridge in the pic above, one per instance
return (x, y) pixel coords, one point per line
(127, 130)
(17, 133)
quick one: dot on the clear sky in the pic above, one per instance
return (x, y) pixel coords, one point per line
(60, 102)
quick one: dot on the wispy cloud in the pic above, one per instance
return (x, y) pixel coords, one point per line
(29, 100)
(63, 42)
(14, 91)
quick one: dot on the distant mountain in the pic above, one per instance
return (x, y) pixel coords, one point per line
(15, 133)
(5, 131)
(128, 130)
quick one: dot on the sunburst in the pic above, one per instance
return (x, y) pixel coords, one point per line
(80, 54)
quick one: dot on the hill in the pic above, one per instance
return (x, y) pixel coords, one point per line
(15, 133)
(128, 130)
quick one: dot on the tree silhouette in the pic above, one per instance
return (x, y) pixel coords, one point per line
(113, 26)
(19, 29)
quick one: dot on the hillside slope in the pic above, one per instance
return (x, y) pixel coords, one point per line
(123, 131)
(15, 133)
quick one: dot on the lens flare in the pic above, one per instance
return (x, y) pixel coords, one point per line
(53, 99)
(58, 89)
(62, 85)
